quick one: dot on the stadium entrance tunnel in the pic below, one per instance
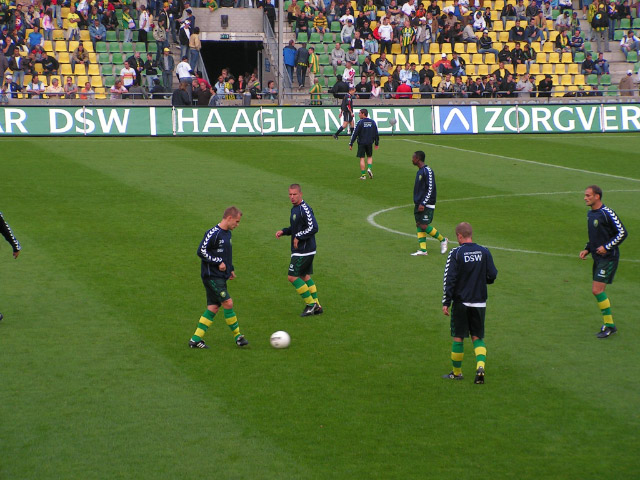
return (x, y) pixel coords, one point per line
(239, 58)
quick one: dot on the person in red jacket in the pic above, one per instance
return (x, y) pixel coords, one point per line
(404, 91)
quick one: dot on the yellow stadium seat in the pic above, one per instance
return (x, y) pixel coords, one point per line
(509, 25)
(508, 67)
(489, 58)
(476, 59)
(471, 70)
(521, 69)
(483, 70)
(436, 81)
(554, 57)
(560, 69)
(572, 88)
(58, 34)
(39, 69)
(498, 5)
(548, 47)
(65, 69)
(61, 46)
(434, 47)
(395, 48)
(504, 37)
(534, 69)
(65, 24)
(63, 57)
(566, 80)
(96, 81)
(550, 25)
(65, 12)
(493, 36)
(566, 57)
(541, 57)
(93, 69)
(85, 37)
(80, 69)
(472, 48)
(573, 69)
(446, 48)
(73, 44)
(497, 45)
(459, 48)
(27, 79)
(558, 91)
(494, 15)
(400, 59)
(555, 79)
(413, 58)
(547, 69)
(465, 57)
(48, 46)
(93, 58)
(82, 79)
(553, 34)
(579, 79)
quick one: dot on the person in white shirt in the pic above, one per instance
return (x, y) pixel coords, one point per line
(405, 74)
(375, 90)
(36, 88)
(409, 7)
(386, 36)
(345, 18)
(629, 42)
(145, 25)
(184, 73)
(117, 90)
(349, 75)
(128, 75)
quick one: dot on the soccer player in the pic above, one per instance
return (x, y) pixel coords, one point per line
(303, 228)
(606, 233)
(366, 132)
(424, 198)
(468, 270)
(346, 111)
(5, 229)
(216, 268)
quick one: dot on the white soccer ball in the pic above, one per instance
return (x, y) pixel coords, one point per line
(280, 340)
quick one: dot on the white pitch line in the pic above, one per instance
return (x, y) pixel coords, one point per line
(532, 162)
(371, 220)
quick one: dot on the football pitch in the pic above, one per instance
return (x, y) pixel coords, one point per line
(98, 381)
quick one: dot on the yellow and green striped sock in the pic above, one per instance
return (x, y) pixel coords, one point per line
(434, 233)
(605, 308)
(313, 290)
(232, 321)
(206, 320)
(422, 240)
(481, 352)
(303, 290)
(457, 354)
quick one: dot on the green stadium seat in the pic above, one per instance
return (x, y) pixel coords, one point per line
(331, 81)
(555, 13)
(106, 70)
(328, 37)
(119, 58)
(345, 46)
(632, 57)
(636, 68)
(103, 58)
(140, 47)
(321, 81)
(109, 82)
(587, 47)
(111, 36)
(592, 80)
(302, 38)
(327, 71)
(636, 22)
(605, 80)
(625, 23)
(579, 57)
(152, 47)
(315, 38)
(127, 48)
(135, 35)
(617, 36)
(286, 5)
(612, 91)
(324, 59)
(336, 27)
(102, 47)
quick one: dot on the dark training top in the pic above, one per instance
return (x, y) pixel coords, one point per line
(605, 229)
(303, 227)
(214, 249)
(468, 270)
(5, 229)
(366, 132)
(347, 103)
(424, 191)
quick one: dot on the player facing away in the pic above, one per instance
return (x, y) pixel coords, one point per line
(303, 228)
(468, 270)
(366, 133)
(606, 233)
(424, 198)
(216, 268)
(346, 111)
(5, 229)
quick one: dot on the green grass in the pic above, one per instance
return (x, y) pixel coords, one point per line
(97, 380)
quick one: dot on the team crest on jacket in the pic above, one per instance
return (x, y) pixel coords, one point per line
(294, 217)
(595, 222)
